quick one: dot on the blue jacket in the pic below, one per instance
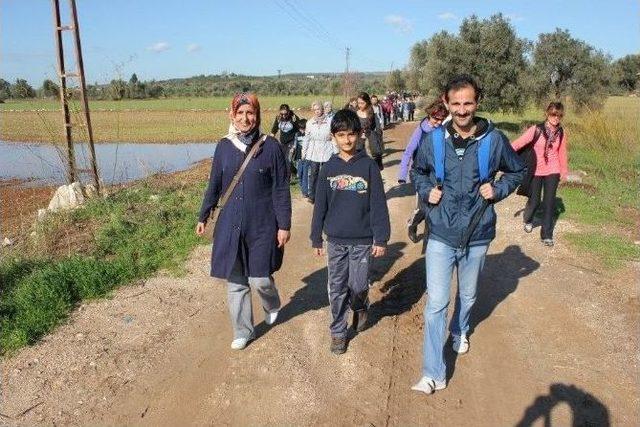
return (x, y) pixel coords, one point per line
(461, 199)
(259, 205)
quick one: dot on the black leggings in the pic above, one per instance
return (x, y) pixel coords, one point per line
(550, 184)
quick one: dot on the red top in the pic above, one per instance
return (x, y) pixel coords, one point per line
(557, 155)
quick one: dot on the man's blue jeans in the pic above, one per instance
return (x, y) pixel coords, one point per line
(441, 259)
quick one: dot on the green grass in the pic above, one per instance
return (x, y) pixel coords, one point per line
(137, 235)
(167, 104)
(614, 251)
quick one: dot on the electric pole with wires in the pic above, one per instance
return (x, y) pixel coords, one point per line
(347, 81)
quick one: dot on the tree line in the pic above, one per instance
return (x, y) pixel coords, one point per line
(512, 71)
(226, 84)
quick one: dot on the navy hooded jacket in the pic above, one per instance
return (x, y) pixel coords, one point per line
(350, 204)
(461, 199)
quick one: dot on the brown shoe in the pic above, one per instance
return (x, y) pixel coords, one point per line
(338, 345)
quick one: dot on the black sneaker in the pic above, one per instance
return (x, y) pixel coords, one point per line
(547, 242)
(413, 233)
(360, 320)
(338, 345)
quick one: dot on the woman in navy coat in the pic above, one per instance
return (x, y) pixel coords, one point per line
(254, 225)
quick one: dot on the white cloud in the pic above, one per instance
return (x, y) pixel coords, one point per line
(193, 47)
(400, 23)
(447, 16)
(159, 47)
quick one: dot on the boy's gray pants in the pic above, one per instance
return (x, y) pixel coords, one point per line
(348, 283)
(239, 299)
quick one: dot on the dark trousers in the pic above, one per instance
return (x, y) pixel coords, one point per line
(348, 284)
(314, 170)
(550, 185)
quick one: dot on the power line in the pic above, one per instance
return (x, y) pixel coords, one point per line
(314, 29)
(313, 23)
(311, 32)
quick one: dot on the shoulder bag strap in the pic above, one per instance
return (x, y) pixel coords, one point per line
(238, 175)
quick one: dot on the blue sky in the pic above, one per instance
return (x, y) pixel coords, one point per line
(162, 39)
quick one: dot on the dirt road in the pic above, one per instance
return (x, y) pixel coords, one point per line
(555, 340)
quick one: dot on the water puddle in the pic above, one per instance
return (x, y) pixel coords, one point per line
(44, 164)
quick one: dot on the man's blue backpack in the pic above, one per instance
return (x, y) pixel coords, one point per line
(438, 140)
(484, 155)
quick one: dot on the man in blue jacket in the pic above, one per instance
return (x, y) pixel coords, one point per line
(453, 201)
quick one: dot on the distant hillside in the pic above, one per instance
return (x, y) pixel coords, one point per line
(230, 83)
(285, 84)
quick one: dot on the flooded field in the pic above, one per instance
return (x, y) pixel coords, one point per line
(42, 164)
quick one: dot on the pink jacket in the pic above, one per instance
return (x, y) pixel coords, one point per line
(557, 154)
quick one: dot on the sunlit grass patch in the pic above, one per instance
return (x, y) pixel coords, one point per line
(614, 251)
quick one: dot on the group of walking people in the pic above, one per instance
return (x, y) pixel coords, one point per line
(454, 159)
(308, 144)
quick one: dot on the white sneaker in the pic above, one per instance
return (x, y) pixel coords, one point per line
(270, 318)
(528, 227)
(428, 385)
(460, 344)
(239, 343)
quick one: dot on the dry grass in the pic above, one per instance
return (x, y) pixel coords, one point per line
(123, 126)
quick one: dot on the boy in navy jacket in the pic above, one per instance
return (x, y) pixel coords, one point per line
(351, 208)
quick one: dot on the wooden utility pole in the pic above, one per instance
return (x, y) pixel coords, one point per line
(75, 27)
(83, 94)
(57, 29)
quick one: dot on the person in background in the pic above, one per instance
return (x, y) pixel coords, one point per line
(412, 108)
(253, 226)
(328, 110)
(377, 110)
(317, 147)
(371, 137)
(352, 104)
(405, 107)
(436, 113)
(351, 208)
(548, 165)
(285, 123)
(302, 165)
(387, 108)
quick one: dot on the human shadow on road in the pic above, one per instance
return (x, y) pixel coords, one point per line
(400, 293)
(400, 190)
(586, 410)
(391, 163)
(499, 279)
(313, 295)
(390, 151)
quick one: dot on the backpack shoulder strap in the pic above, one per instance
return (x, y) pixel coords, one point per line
(437, 139)
(484, 156)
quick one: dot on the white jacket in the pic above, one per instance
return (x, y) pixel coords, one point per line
(318, 146)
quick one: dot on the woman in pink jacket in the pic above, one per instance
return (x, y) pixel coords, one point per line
(546, 144)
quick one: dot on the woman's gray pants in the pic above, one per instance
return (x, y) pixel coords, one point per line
(239, 299)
